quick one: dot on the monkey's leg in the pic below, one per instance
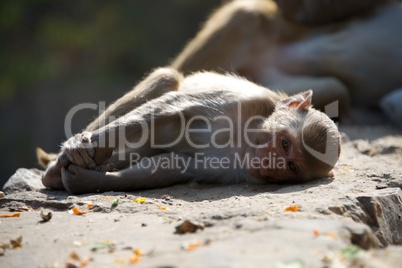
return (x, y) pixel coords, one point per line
(229, 37)
(156, 84)
(166, 113)
(146, 174)
(159, 82)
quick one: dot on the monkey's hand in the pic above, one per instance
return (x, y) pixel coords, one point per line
(80, 150)
(84, 151)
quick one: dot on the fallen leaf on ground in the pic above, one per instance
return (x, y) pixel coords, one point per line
(17, 243)
(351, 252)
(292, 208)
(90, 205)
(332, 235)
(106, 197)
(192, 246)
(19, 209)
(188, 227)
(162, 207)
(105, 245)
(46, 217)
(115, 201)
(316, 232)
(77, 260)
(137, 252)
(77, 211)
(10, 215)
(140, 200)
(4, 248)
(135, 259)
(74, 256)
(85, 262)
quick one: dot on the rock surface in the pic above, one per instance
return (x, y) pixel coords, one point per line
(24, 180)
(353, 219)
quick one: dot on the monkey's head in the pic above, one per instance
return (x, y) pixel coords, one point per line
(300, 143)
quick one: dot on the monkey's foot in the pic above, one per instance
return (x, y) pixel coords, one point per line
(52, 177)
(78, 180)
(83, 151)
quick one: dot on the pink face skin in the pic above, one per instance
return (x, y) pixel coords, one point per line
(280, 160)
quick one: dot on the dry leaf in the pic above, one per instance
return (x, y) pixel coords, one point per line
(188, 227)
(192, 246)
(89, 205)
(74, 256)
(110, 246)
(162, 207)
(10, 215)
(332, 235)
(47, 217)
(316, 232)
(77, 211)
(106, 197)
(292, 208)
(140, 200)
(137, 252)
(135, 259)
(19, 209)
(85, 262)
(17, 243)
(4, 248)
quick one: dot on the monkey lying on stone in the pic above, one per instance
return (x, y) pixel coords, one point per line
(206, 127)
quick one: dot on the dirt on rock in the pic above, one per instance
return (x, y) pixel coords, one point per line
(351, 220)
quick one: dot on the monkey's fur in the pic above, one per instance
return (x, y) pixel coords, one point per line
(346, 51)
(227, 118)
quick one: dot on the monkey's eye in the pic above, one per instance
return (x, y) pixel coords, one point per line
(292, 166)
(285, 144)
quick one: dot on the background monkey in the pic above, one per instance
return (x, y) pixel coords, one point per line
(346, 51)
(194, 120)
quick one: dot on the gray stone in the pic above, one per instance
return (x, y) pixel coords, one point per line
(24, 180)
(384, 209)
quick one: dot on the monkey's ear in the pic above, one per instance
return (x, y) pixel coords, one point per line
(300, 101)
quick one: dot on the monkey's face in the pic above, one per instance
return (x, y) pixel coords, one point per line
(299, 143)
(279, 159)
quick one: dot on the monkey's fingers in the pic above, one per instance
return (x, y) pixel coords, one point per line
(87, 155)
(79, 156)
(74, 156)
(87, 143)
(63, 160)
(105, 168)
(87, 161)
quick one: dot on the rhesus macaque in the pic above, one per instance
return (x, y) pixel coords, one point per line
(346, 51)
(206, 127)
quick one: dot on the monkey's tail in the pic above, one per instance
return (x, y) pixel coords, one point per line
(44, 158)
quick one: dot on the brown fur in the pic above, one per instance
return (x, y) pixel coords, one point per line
(346, 51)
(91, 161)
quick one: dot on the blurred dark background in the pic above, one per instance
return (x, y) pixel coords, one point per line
(56, 54)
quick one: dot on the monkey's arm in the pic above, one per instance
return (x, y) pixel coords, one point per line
(91, 149)
(158, 171)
